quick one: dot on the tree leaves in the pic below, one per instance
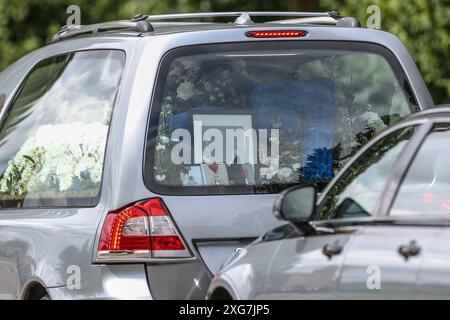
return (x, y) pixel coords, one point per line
(423, 25)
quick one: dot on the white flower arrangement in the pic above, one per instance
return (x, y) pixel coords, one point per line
(373, 120)
(58, 158)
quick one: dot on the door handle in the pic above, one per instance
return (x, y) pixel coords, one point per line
(332, 249)
(409, 250)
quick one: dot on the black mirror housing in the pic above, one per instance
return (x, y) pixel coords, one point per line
(297, 204)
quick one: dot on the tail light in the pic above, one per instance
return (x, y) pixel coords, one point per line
(144, 230)
(276, 34)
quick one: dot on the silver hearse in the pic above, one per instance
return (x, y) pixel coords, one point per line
(137, 156)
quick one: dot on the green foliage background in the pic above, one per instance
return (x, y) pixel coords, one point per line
(423, 25)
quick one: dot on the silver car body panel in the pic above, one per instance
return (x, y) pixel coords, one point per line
(369, 252)
(433, 280)
(316, 277)
(41, 245)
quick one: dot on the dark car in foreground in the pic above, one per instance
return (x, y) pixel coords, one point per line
(380, 230)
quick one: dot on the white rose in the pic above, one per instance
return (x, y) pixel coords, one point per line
(3, 187)
(373, 120)
(370, 116)
(285, 173)
(160, 177)
(160, 147)
(185, 90)
(164, 140)
(271, 173)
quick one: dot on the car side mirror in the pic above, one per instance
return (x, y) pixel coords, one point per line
(297, 205)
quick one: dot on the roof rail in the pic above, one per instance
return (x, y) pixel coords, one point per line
(312, 20)
(177, 16)
(143, 23)
(139, 26)
(349, 22)
(245, 18)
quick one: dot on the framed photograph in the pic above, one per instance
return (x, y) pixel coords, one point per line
(249, 174)
(215, 174)
(192, 178)
(241, 174)
(223, 123)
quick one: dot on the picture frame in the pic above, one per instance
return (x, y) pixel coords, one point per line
(241, 174)
(202, 121)
(193, 177)
(215, 174)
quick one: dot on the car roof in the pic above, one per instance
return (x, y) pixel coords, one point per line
(433, 112)
(146, 25)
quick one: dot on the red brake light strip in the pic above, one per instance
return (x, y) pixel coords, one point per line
(276, 34)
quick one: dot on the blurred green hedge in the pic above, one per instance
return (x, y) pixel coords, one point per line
(423, 25)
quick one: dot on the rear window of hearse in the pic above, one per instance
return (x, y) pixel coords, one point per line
(260, 117)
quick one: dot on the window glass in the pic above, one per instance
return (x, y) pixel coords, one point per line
(357, 192)
(53, 138)
(425, 189)
(264, 117)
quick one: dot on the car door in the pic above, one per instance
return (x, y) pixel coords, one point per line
(354, 199)
(383, 262)
(308, 267)
(311, 267)
(384, 256)
(424, 195)
(433, 281)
